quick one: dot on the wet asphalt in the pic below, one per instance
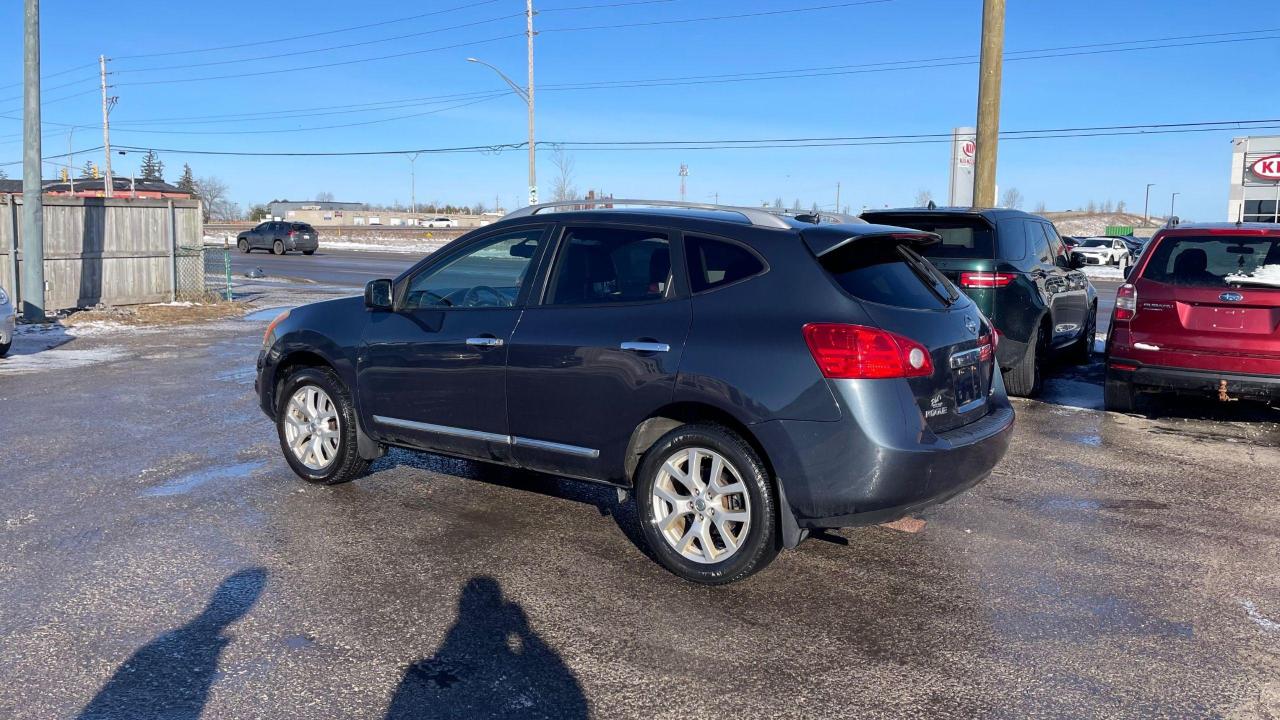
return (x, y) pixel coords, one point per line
(159, 560)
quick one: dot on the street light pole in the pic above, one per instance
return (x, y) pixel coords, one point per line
(526, 94)
(413, 184)
(1146, 205)
(1172, 199)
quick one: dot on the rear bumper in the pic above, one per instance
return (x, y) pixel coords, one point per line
(880, 463)
(1151, 378)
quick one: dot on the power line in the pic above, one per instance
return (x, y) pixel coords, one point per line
(51, 75)
(763, 143)
(380, 23)
(737, 16)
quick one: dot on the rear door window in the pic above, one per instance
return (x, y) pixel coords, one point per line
(1038, 241)
(715, 263)
(599, 265)
(889, 274)
(1216, 261)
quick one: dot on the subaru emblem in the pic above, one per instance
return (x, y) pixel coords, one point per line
(973, 326)
(1231, 297)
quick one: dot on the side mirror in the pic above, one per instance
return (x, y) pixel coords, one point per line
(377, 295)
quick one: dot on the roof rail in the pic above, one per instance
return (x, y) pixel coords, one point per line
(756, 216)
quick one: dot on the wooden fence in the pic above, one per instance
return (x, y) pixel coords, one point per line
(117, 251)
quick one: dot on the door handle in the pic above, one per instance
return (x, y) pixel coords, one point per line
(484, 342)
(651, 347)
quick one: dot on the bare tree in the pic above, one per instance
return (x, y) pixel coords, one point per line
(923, 197)
(1091, 208)
(1107, 206)
(324, 197)
(562, 187)
(213, 195)
(1041, 208)
(1120, 206)
(1012, 199)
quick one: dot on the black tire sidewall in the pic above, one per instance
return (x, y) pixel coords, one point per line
(243, 245)
(347, 455)
(761, 543)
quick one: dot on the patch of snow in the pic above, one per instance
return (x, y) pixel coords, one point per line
(58, 359)
(1103, 272)
(391, 245)
(1251, 610)
(1265, 275)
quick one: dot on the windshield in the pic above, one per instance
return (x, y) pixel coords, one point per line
(1216, 261)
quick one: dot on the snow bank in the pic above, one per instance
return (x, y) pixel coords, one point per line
(1103, 272)
(1265, 275)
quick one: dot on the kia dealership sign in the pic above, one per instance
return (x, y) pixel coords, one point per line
(962, 151)
(1267, 168)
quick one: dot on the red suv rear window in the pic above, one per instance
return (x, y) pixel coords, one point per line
(1216, 261)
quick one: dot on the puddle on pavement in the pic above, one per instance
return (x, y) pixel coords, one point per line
(299, 642)
(190, 481)
(266, 314)
(1057, 503)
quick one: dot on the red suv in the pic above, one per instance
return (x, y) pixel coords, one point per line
(1200, 314)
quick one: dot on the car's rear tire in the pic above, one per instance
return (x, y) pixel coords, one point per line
(4, 348)
(316, 424)
(715, 525)
(1026, 378)
(1118, 395)
(1082, 351)
(244, 246)
(277, 248)
(308, 252)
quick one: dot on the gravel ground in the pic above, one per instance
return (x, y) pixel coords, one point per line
(158, 559)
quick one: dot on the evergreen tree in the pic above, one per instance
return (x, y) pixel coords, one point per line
(86, 172)
(187, 183)
(3, 175)
(152, 167)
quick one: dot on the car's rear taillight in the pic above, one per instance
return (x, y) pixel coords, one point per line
(987, 345)
(292, 233)
(985, 279)
(1126, 302)
(862, 353)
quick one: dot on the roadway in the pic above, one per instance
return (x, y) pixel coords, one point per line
(326, 267)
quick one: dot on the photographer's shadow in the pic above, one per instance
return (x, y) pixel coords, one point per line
(491, 665)
(170, 676)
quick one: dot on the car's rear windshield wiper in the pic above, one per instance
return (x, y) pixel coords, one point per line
(930, 275)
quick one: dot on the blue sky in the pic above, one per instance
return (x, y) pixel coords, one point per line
(1223, 81)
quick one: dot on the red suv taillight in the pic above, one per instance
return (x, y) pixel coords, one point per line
(862, 353)
(292, 233)
(1126, 302)
(985, 279)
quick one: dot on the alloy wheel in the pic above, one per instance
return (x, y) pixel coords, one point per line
(701, 505)
(312, 427)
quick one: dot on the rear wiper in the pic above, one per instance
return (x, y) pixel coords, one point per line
(930, 275)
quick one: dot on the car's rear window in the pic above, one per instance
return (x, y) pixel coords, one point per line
(1216, 261)
(302, 227)
(889, 274)
(962, 237)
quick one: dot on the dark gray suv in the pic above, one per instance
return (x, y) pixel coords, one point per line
(279, 237)
(747, 377)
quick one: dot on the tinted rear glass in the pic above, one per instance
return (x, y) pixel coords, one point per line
(883, 273)
(1216, 261)
(961, 237)
(302, 227)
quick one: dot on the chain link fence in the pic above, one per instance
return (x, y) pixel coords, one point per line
(189, 271)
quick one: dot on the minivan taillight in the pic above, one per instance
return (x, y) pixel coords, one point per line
(857, 352)
(985, 279)
(1126, 302)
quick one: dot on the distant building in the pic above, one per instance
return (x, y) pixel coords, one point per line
(283, 208)
(1255, 180)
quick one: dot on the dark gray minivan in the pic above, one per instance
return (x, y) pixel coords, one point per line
(747, 377)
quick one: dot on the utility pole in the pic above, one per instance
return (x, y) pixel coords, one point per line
(684, 173)
(1172, 199)
(71, 170)
(1146, 204)
(413, 183)
(32, 203)
(533, 148)
(108, 185)
(837, 196)
(989, 75)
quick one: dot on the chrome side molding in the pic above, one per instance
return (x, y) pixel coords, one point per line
(488, 437)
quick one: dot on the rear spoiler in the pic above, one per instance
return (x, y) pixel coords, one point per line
(823, 240)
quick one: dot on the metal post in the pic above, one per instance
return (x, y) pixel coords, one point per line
(837, 197)
(413, 184)
(1172, 199)
(1146, 205)
(226, 264)
(989, 76)
(533, 148)
(108, 187)
(33, 300)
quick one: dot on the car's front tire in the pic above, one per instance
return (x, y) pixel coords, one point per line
(706, 505)
(316, 423)
(243, 245)
(4, 348)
